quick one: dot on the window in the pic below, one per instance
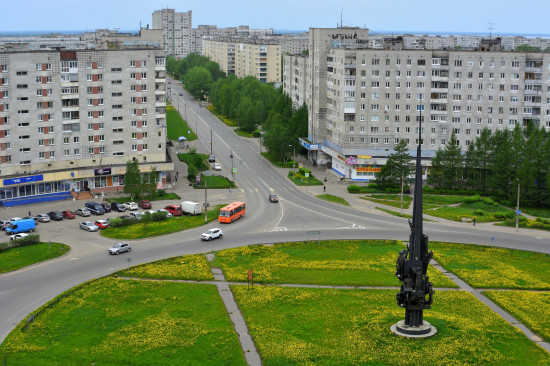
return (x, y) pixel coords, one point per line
(375, 84)
(376, 61)
(421, 62)
(458, 63)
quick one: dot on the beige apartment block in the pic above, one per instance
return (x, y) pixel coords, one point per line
(70, 120)
(363, 101)
(246, 57)
(176, 28)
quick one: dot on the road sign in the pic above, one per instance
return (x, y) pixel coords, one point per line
(307, 175)
(300, 165)
(234, 170)
(518, 212)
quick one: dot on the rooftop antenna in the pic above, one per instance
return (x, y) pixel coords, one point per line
(490, 32)
(341, 18)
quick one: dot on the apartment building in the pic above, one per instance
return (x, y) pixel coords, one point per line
(71, 119)
(176, 28)
(246, 57)
(362, 101)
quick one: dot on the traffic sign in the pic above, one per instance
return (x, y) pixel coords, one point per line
(234, 170)
(300, 165)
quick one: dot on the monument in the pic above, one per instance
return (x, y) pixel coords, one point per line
(412, 266)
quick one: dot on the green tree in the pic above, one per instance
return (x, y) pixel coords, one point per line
(198, 81)
(452, 163)
(132, 179)
(150, 183)
(397, 168)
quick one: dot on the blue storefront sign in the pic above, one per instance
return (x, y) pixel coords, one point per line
(32, 178)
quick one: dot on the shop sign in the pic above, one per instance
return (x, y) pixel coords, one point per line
(341, 158)
(102, 171)
(368, 169)
(364, 156)
(32, 178)
(351, 160)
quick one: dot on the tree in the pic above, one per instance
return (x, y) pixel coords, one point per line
(198, 81)
(132, 179)
(397, 167)
(452, 163)
(150, 183)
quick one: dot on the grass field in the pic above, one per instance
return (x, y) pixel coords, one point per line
(176, 126)
(187, 267)
(333, 198)
(168, 226)
(297, 326)
(344, 263)
(16, 258)
(121, 322)
(490, 267)
(483, 212)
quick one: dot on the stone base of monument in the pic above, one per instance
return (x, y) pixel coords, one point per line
(423, 331)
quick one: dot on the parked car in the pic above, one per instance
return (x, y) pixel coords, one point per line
(273, 198)
(102, 224)
(130, 206)
(106, 206)
(18, 236)
(136, 215)
(21, 226)
(212, 234)
(211, 159)
(168, 214)
(181, 94)
(217, 166)
(120, 248)
(55, 215)
(95, 208)
(84, 212)
(144, 204)
(175, 210)
(88, 225)
(116, 206)
(68, 214)
(5, 223)
(32, 217)
(43, 217)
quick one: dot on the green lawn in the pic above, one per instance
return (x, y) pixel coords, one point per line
(347, 263)
(389, 202)
(482, 211)
(187, 267)
(176, 126)
(529, 307)
(19, 257)
(168, 226)
(300, 326)
(398, 214)
(490, 267)
(121, 322)
(332, 198)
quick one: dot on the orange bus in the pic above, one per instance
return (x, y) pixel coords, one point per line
(232, 212)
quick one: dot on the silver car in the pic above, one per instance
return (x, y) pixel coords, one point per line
(120, 247)
(84, 212)
(89, 226)
(43, 218)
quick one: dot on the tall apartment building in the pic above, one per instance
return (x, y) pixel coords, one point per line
(70, 120)
(246, 56)
(211, 32)
(362, 101)
(176, 28)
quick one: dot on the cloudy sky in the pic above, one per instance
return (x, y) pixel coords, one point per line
(420, 16)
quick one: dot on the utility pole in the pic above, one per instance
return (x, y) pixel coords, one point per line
(402, 173)
(232, 174)
(206, 197)
(293, 163)
(517, 210)
(211, 142)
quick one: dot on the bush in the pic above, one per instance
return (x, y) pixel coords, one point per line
(27, 240)
(192, 171)
(146, 217)
(504, 215)
(479, 212)
(472, 199)
(488, 201)
(374, 185)
(161, 192)
(506, 203)
(159, 216)
(118, 222)
(353, 188)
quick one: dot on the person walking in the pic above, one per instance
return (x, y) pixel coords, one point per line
(324, 188)
(474, 221)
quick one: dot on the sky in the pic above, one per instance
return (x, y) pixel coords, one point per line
(421, 16)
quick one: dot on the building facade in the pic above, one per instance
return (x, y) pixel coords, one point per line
(246, 57)
(70, 120)
(176, 28)
(362, 101)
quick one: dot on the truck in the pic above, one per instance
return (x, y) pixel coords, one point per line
(21, 226)
(191, 208)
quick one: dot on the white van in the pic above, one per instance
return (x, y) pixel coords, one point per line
(191, 208)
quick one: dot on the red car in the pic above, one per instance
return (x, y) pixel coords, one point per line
(174, 210)
(144, 204)
(102, 224)
(68, 214)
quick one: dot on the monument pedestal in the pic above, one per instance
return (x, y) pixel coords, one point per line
(423, 331)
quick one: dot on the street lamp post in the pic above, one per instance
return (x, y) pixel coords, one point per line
(232, 174)
(293, 163)
(211, 142)
(517, 210)
(206, 197)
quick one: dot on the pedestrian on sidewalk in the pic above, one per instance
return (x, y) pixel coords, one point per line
(474, 221)
(324, 188)
(30, 213)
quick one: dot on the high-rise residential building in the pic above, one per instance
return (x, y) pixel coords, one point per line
(362, 101)
(246, 57)
(71, 119)
(176, 28)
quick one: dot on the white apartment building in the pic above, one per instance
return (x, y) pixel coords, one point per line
(70, 120)
(243, 57)
(176, 29)
(362, 101)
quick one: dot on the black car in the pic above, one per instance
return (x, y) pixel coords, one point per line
(115, 206)
(95, 208)
(55, 215)
(273, 198)
(106, 206)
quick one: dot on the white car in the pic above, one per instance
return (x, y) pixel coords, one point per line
(120, 248)
(18, 236)
(130, 206)
(137, 215)
(88, 225)
(217, 166)
(84, 212)
(212, 234)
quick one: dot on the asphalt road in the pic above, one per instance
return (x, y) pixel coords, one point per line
(298, 216)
